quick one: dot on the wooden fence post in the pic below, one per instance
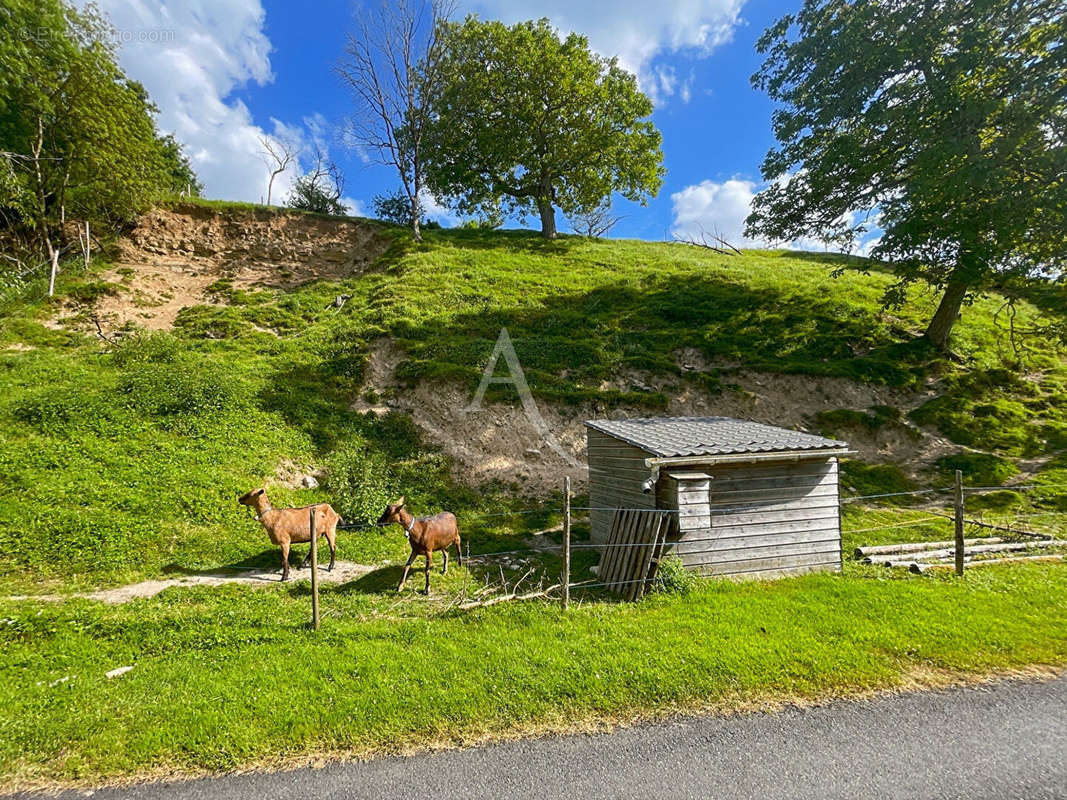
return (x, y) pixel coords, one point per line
(566, 577)
(958, 518)
(314, 571)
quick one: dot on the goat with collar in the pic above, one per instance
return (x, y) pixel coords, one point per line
(286, 526)
(425, 535)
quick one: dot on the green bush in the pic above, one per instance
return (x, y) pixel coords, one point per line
(995, 501)
(672, 577)
(62, 409)
(859, 478)
(842, 418)
(1055, 434)
(361, 482)
(979, 469)
(157, 347)
(89, 292)
(1003, 425)
(183, 389)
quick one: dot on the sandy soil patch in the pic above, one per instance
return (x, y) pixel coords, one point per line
(172, 256)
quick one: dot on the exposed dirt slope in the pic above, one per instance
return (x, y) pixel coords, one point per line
(498, 443)
(173, 255)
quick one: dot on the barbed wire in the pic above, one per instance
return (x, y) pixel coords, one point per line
(852, 498)
(912, 523)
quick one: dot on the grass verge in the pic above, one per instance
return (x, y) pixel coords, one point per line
(224, 678)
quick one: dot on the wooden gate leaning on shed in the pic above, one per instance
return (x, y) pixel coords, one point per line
(634, 548)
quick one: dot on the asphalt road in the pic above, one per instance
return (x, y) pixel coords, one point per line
(1008, 740)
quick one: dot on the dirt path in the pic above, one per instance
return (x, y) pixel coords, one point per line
(343, 571)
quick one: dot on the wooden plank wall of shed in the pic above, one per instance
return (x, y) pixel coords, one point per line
(616, 473)
(759, 519)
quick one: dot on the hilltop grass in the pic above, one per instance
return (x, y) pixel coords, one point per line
(227, 678)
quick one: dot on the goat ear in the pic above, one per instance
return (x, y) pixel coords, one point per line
(400, 502)
(259, 492)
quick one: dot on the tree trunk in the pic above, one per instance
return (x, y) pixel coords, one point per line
(416, 212)
(53, 258)
(548, 217)
(947, 313)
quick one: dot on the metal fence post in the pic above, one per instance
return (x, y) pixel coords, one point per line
(958, 518)
(566, 577)
(314, 572)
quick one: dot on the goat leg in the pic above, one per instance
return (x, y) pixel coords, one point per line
(426, 588)
(285, 561)
(444, 569)
(407, 567)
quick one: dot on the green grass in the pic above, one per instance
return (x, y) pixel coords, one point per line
(124, 462)
(227, 677)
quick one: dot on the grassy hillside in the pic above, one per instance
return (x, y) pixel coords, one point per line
(124, 460)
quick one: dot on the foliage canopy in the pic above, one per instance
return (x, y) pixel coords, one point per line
(947, 119)
(538, 122)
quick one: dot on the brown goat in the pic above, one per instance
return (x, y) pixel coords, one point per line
(287, 526)
(425, 535)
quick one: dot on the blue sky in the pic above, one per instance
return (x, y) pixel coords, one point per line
(227, 72)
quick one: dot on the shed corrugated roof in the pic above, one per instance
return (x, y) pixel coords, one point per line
(673, 437)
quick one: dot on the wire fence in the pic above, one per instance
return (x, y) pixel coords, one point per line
(740, 523)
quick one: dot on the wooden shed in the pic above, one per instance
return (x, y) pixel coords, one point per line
(750, 499)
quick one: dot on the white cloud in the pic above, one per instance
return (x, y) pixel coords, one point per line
(355, 207)
(717, 209)
(637, 31)
(709, 209)
(191, 56)
(437, 211)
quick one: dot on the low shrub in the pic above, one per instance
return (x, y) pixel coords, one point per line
(87, 293)
(672, 577)
(979, 469)
(156, 347)
(1055, 434)
(183, 389)
(860, 478)
(360, 482)
(1000, 424)
(843, 418)
(59, 410)
(995, 501)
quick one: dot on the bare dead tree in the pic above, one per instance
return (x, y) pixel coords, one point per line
(392, 64)
(595, 222)
(277, 155)
(709, 241)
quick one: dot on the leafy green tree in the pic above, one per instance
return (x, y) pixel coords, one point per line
(539, 121)
(946, 118)
(309, 194)
(397, 208)
(80, 134)
(180, 174)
